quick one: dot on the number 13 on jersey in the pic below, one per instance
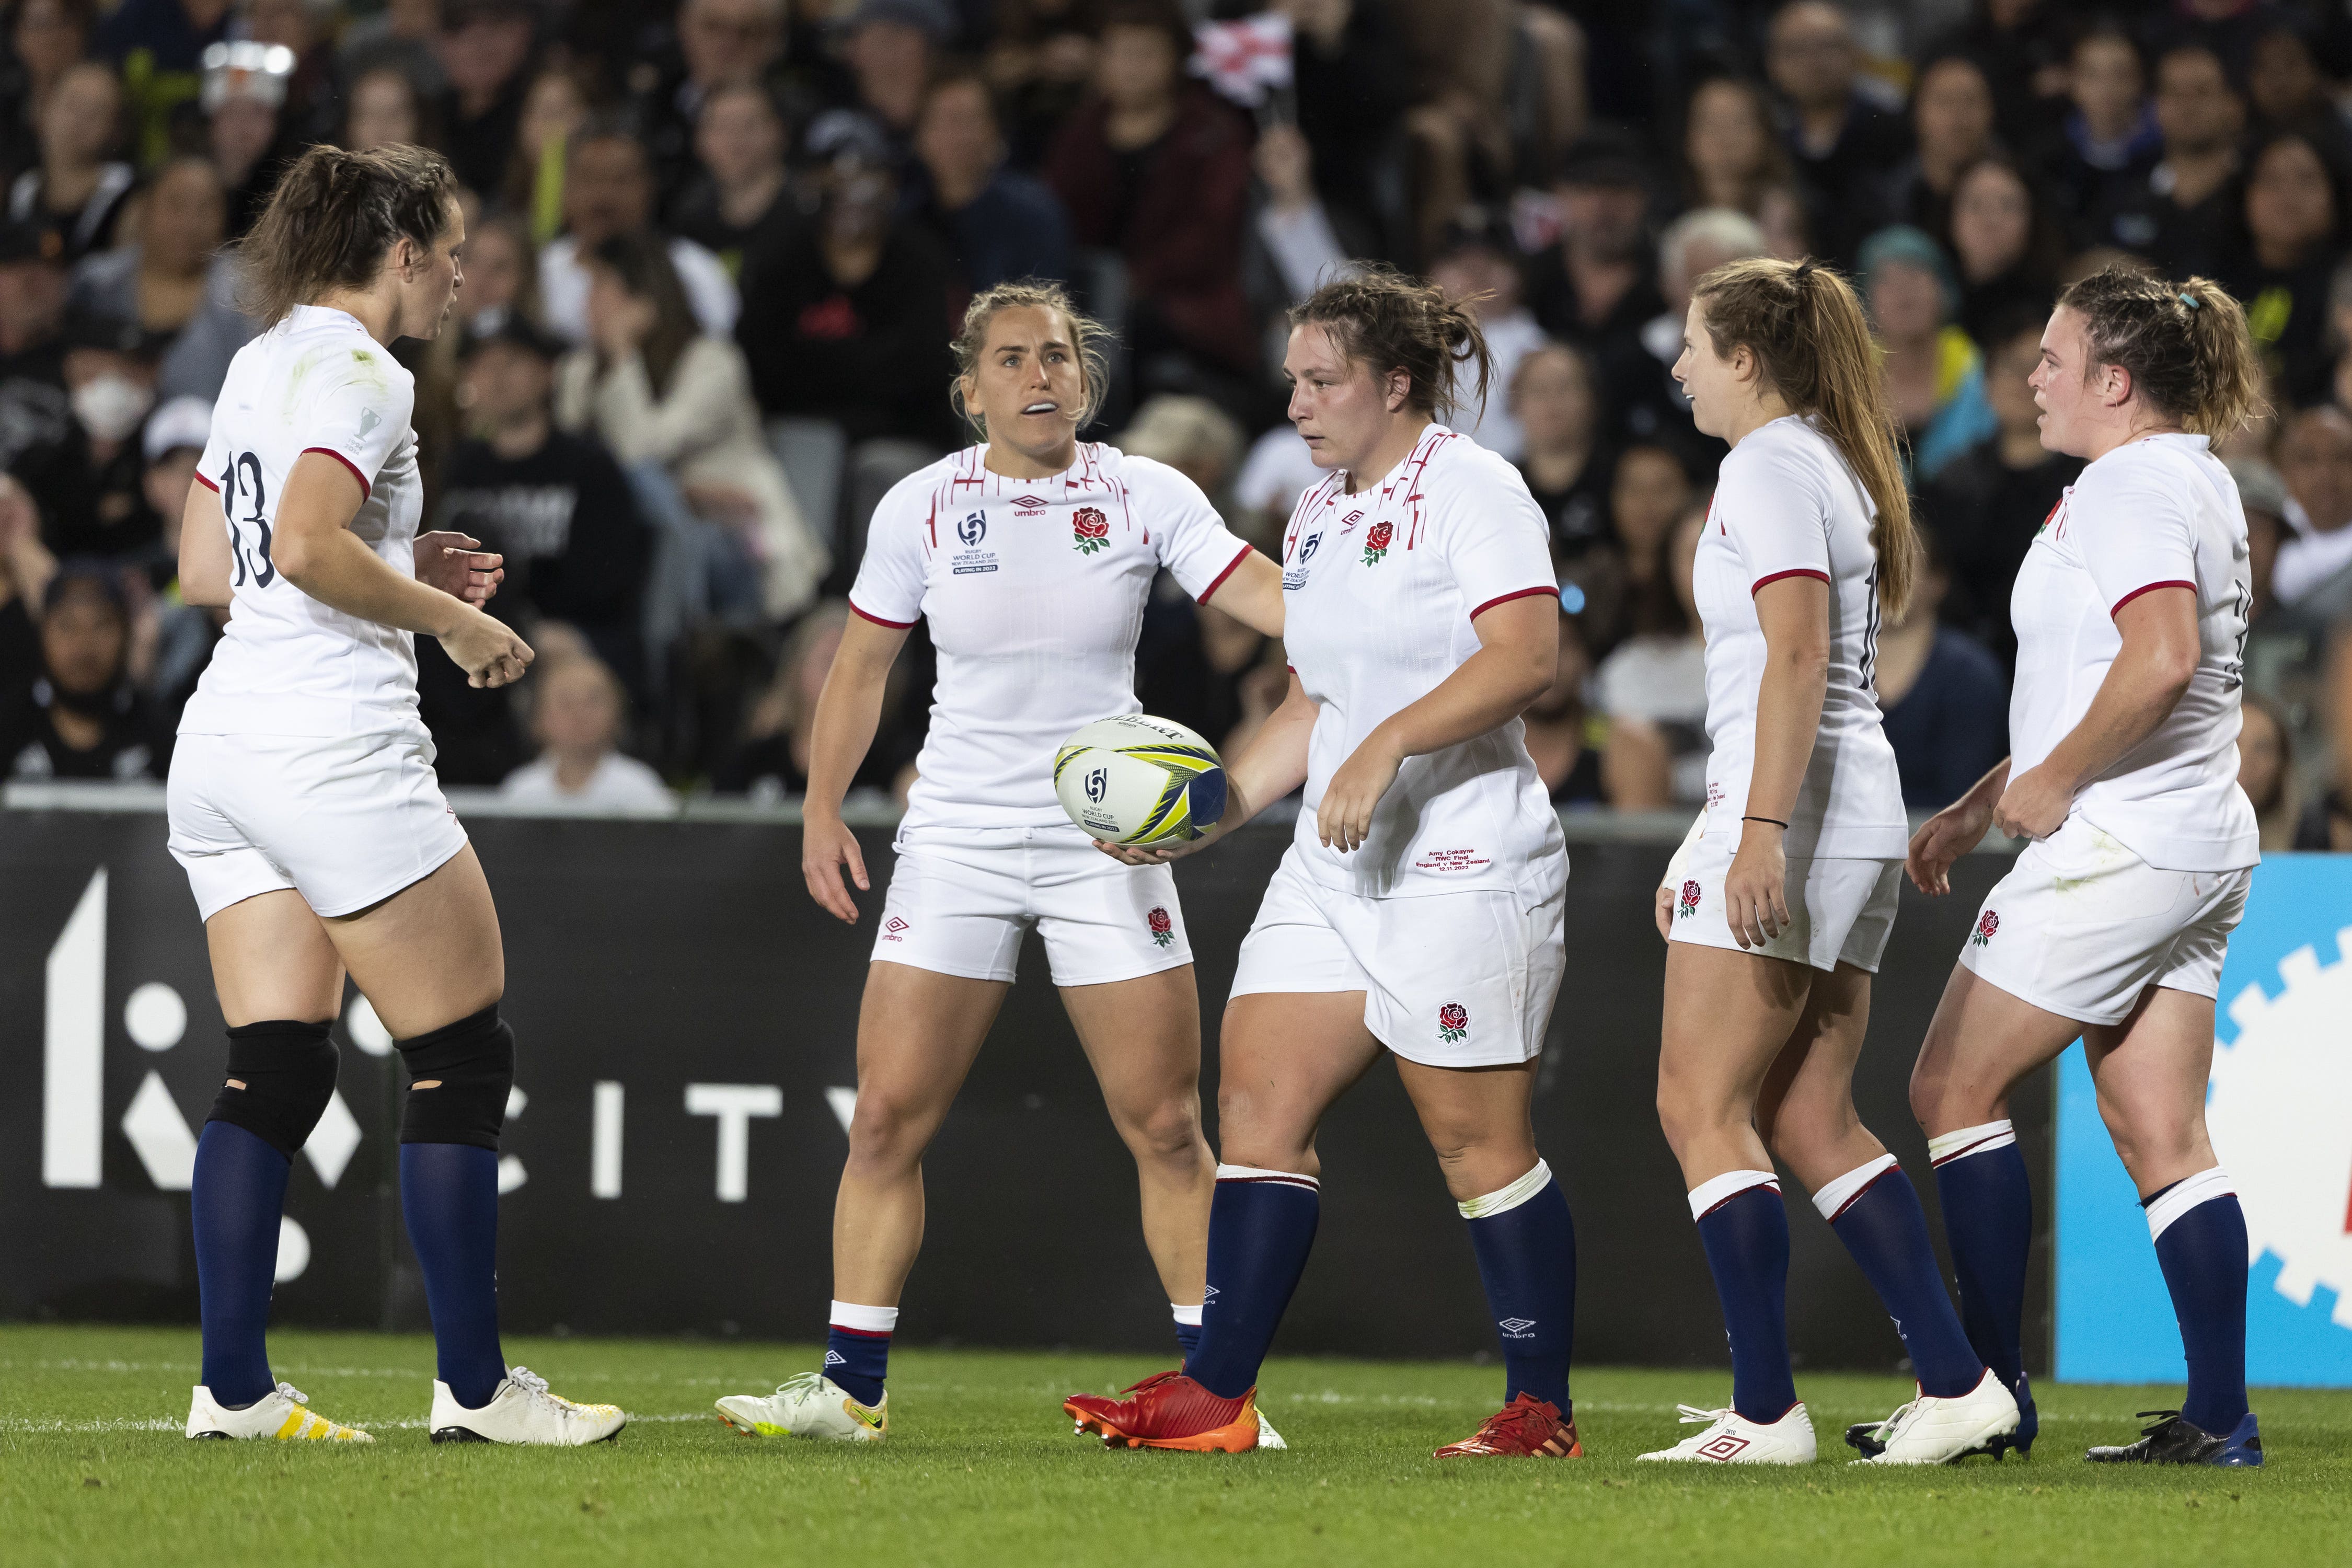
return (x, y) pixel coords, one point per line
(241, 481)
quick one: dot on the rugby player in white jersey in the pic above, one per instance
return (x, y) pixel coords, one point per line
(2131, 612)
(1778, 907)
(1417, 912)
(1031, 557)
(302, 800)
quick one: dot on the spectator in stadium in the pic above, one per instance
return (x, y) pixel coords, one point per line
(608, 190)
(26, 567)
(2109, 139)
(1952, 115)
(1943, 696)
(721, 43)
(384, 106)
(181, 640)
(404, 36)
(39, 441)
(81, 718)
(1985, 505)
(484, 51)
(2314, 458)
(1551, 396)
(244, 101)
(554, 503)
(314, 97)
(2286, 91)
(1935, 374)
(892, 48)
(76, 191)
(1732, 153)
(159, 279)
(45, 39)
(993, 224)
(2266, 770)
(1564, 737)
(1652, 687)
(2180, 215)
(2263, 495)
(2021, 47)
(2293, 228)
(1595, 287)
(554, 109)
(577, 713)
(1502, 98)
(97, 502)
(501, 276)
(1299, 234)
(741, 200)
(1041, 57)
(2007, 244)
(1351, 74)
(772, 760)
(846, 321)
(1693, 246)
(1844, 144)
(659, 391)
(158, 46)
(1155, 167)
(1477, 263)
(1625, 583)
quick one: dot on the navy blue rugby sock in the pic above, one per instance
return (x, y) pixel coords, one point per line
(1875, 1211)
(857, 1348)
(1525, 1243)
(1261, 1227)
(1988, 1202)
(236, 1199)
(2200, 1243)
(449, 1197)
(1746, 1233)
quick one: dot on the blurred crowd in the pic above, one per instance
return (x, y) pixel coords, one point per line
(716, 247)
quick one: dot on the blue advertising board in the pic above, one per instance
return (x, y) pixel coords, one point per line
(2280, 1111)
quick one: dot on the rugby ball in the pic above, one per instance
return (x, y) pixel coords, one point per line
(1139, 780)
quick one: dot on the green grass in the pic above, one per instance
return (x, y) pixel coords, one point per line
(982, 1468)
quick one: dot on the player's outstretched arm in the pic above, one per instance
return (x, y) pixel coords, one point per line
(314, 547)
(1252, 595)
(1952, 832)
(848, 711)
(1272, 765)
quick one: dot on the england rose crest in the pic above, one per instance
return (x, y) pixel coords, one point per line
(1163, 929)
(1987, 924)
(1376, 542)
(1688, 904)
(1453, 1018)
(1092, 527)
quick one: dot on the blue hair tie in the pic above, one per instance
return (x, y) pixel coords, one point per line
(2192, 301)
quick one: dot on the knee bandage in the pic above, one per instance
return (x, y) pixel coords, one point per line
(287, 1070)
(470, 1066)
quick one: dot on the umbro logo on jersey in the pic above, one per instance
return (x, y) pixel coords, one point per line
(1028, 506)
(1352, 518)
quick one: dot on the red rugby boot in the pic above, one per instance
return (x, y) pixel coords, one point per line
(1527, 1427)
(1169, 1410)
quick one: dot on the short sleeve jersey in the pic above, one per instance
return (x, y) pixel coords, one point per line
(2157, 512)
(1379, 591)
(289, 664)
(1034, 591)
(1787, 505)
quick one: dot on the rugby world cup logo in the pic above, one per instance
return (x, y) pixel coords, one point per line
(972, 530)
(1092, 529)
(1688, 904)
(1452, 1022)
(1987, 925)
(1098, 784)
(1164, 929)
(1376, 542)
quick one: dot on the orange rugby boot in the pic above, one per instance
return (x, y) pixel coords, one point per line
(1527, 1426)
(1169, 1410)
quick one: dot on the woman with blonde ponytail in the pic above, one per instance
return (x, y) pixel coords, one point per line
(2131, 614)
(1779, 905)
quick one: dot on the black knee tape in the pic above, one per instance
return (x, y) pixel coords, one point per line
(473, 1062)
(287, 1068)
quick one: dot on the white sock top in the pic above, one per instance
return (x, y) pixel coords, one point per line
(1959, 1144)
(1510, 1197)
(1254, 1173)
(2186, 1194)
(1717, 1191)
(1188, 1316)
(1838, 1192)
(866, 1320)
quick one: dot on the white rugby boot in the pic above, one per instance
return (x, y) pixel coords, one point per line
(809, 1406)
(281, 1414)
(523, 1411)
(1931, 1431)
(1730, 1439)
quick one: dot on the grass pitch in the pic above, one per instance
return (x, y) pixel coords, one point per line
(982, 1468)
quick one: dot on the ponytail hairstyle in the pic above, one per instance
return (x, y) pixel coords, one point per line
(1812, 345)
(1388, 321)
(1090, 340)
(334, 220)
(2185, 345)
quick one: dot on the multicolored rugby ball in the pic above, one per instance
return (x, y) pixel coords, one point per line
(1140, 780)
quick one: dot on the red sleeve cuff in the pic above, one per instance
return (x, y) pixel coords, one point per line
(207, 484)
(366, 488)
(1219, 581)
(2147, 588)
(1792, 571)
(879, 620)
(1551, 588)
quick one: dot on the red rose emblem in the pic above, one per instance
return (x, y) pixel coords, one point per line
(1164, 929)
(1987, 924)
(1092, 527)
(1376, 542)
(1689, 902)
(1454, 1015)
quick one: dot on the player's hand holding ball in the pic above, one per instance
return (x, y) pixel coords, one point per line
(1147, 790)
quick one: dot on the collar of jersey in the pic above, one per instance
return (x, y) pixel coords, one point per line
(1054, 489)
(323, 316)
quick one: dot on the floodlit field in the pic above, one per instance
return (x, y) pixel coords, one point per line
(982, 1468)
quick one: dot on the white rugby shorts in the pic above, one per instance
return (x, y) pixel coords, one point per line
(1840, 911)
(959, 904)
(2082, 926)
(345, 820)
(1450, 980)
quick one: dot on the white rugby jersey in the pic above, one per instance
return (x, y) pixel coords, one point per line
(1378, 591)
(289, 664)
(1034, 591)
(2157, 512)
(1786, 505)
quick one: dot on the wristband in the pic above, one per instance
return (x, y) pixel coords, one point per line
(1773, 820)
